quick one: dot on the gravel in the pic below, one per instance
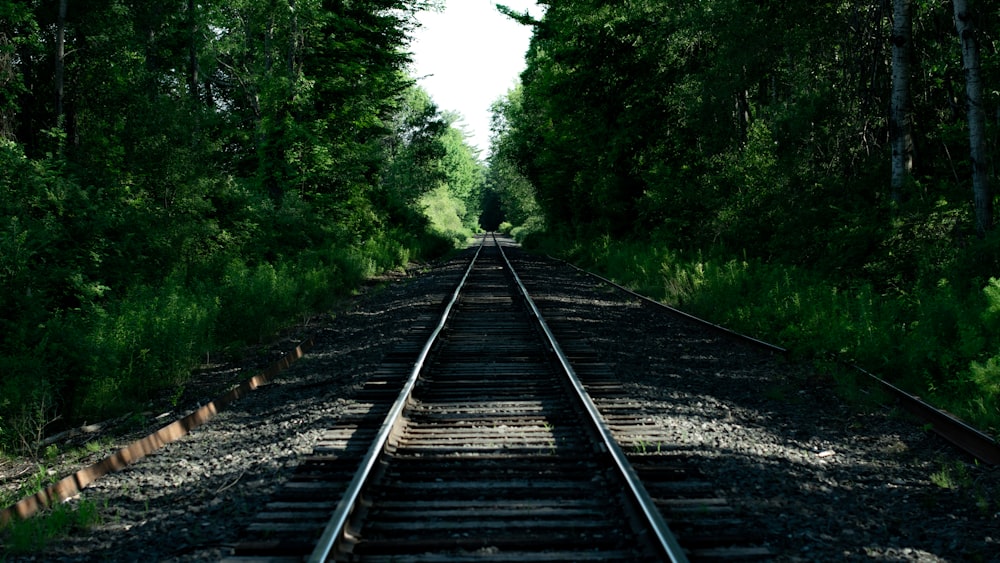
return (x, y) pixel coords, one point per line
(824, 480)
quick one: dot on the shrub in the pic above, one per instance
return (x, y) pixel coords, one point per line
(446, 213)
(27, 402)
(255, 301)
(534, 224)
(146, 342)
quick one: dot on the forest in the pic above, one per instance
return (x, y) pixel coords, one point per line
(814, 174)
(182, 178)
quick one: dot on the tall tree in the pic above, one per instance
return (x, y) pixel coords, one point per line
(60, 58)
(899, 122)
(413, 150)
(509, 196)
(18, 30)
(193, 33)
(209, 143)
(982, 196)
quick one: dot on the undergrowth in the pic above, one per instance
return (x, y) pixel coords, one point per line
(101, 359)
(25, 536)
(33, 534)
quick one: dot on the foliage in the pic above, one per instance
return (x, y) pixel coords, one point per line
(452, 205)
(26, 536)
(733, 157)
(433, 169)
(464, 174)
(534, 225)
(214, 171)
(508, 195)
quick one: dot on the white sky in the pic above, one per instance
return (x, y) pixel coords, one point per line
(468, 56)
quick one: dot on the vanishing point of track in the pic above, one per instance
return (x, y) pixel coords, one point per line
(481, 444)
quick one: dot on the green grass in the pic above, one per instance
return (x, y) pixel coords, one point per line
(38, 480)
(958, 476)
(952, 476)
(34, 534)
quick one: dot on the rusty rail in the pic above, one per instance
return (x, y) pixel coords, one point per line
(71, 485)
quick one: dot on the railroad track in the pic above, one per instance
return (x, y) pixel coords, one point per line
(779, 485)
(483, 443)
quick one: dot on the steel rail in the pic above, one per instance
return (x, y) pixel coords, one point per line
(335, 527)
(666, 539)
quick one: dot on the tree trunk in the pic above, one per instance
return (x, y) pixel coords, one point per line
(193, 52)
(982, 197)
(899, 122)
(743, 116)
(295, 45)
(60, 58)
(8, 75)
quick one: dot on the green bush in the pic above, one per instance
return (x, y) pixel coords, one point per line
(534, 224)
(447, 214)
(27, 403)
(144, 343)
(983, 375)
(256, 300)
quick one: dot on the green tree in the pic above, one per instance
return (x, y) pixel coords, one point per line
(414, 152)
(463, 171)
(508, 194)
(778, 134)
(18, 35)
(182, 175)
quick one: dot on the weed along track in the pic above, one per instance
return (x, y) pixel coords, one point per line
(486, 446)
